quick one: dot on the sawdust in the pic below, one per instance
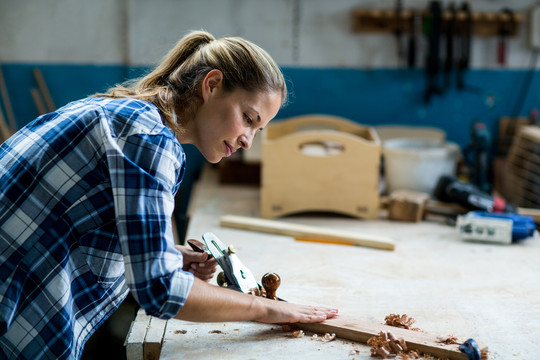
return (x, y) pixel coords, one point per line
(297, 334)
(216, 332)
(180, 331)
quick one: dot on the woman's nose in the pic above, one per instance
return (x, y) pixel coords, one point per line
(245, 141)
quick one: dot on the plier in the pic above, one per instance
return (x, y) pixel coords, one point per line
(236, 275)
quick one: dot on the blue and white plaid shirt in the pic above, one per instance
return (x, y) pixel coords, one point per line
(86, 199)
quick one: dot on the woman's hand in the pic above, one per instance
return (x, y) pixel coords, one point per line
(285, 312)
(197, 263)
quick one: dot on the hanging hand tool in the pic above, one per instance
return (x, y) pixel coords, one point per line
(432, 59)
(450, 33)
(464, 45)
(398, 31)
(414, 39)
(505, 29)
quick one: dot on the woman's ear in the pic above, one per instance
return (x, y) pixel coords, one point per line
(211, 82)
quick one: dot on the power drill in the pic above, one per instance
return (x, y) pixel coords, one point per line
(450, 189)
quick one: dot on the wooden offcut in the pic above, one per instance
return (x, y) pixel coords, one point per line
(320, 163)
(361, 331)
(306, 231)
(405, 205)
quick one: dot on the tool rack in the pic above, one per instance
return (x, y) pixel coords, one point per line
(388, 21)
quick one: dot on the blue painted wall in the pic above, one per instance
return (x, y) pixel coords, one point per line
(371, 97)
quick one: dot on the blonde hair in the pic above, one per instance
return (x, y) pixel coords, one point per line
(174, 85)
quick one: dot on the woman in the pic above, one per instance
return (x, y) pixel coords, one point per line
(86, 199)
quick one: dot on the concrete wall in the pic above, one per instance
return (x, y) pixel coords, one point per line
(83, 47)
(306, 33)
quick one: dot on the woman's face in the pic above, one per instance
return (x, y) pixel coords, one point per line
(228, 121)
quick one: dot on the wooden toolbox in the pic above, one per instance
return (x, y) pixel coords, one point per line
(320, 163)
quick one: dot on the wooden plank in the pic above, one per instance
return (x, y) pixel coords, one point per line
(44, 90)
(136, 335)
(36, 96)
(5, 133)
(306, 231)
(7, 103)
(154, 338)
(357, 330)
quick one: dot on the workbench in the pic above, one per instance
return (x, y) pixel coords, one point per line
(487, 292)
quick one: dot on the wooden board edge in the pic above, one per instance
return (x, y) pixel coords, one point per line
(362, 331)
(135, 338)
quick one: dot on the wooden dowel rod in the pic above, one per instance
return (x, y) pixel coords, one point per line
(306, 231)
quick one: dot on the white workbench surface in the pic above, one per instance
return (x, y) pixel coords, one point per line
(487, 292)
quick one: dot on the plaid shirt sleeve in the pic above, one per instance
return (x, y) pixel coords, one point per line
(86, 200)
(145, 171)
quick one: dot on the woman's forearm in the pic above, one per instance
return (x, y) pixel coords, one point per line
(209, 303)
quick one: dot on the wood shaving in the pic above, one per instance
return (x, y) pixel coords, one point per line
(449, 340)
(216, 332)
(401, 321)
(325, 338)
(329, 337)
(484, 355)
(180, 331)
(386, 345)
(297, 334)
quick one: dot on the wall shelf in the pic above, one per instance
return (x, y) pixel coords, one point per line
(386, 21)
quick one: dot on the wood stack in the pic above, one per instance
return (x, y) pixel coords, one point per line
(522, 183)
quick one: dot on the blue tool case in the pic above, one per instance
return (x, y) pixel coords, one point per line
(522, 227)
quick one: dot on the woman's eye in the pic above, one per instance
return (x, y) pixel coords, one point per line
(248, 119)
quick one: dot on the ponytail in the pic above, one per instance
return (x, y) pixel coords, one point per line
(177, 56)
(174, 85)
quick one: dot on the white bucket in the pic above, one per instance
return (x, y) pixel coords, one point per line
(417, 164)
